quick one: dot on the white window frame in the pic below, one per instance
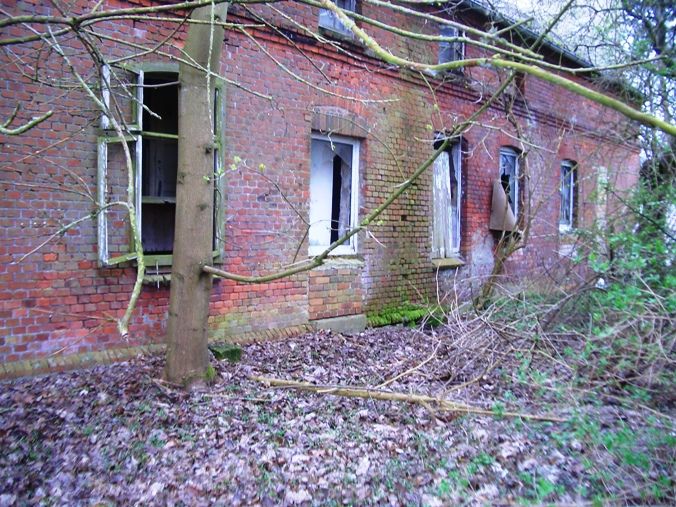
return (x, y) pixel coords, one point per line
(329, 21)
(455, 49)
(447, 223)
(567, 185)
(135, 135)
(507, 151)
(349, 248)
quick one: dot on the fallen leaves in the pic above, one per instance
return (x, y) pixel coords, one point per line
(116, 435)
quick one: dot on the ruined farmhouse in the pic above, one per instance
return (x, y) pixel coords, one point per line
(312, 131)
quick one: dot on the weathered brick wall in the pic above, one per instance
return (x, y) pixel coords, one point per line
(59, 300)
(336, 289)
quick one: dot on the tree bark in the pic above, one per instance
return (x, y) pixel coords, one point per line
(187, 339)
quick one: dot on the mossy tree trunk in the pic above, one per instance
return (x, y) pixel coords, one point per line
(187, 352)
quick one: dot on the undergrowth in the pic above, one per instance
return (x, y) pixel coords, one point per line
(608, 341)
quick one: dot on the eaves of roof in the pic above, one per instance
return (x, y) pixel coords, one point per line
(483, 9)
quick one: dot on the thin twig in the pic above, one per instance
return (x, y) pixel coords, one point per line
(410, 370)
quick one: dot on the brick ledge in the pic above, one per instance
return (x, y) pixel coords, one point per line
(31, 367)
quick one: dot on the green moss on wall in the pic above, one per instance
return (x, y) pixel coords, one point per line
(406, 313)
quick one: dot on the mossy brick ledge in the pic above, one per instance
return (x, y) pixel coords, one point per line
(219, 335)
(61, 363)
(73, 361)
(403, 314)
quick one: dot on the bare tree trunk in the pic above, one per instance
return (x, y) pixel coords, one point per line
(187, 353)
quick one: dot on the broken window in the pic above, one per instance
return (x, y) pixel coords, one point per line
(568, 197)
(329, 21)
(153, 141)
(159, 162)
(509, 177)
(446, 197)
(451, 51)
(334, 181)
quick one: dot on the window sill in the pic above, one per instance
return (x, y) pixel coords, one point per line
(347, 262)
(449, 77)
(154, 260)
(565, 230)
(448, 262)
(157, 279)
(341, 251)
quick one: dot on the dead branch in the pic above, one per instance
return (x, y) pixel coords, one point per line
(372, 394)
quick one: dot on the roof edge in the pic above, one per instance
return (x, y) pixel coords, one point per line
(528, 34)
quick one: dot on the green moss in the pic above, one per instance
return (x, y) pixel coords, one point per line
(406, 313)
(226, 322)
(210, 374)
(221, 351)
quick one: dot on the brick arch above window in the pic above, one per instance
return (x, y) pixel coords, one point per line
(336, 120)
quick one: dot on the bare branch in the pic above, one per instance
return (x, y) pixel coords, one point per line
(23, 128)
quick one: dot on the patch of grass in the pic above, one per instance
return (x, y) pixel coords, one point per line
(186, 436)
(538, 489)
(156, 442)
(444, 488)
(33, 442)
(478, 463)
(395, 476)
(459, 480)
(144, 408)
(138, 451)
(266, 418)
(88, 430)
(210, 374)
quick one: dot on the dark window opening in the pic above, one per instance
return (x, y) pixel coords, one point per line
(451, 51)
(159, 164)
(568, 190)
(333, 172)
(153, 141)
(160, 98)
(509, 177)
(335, 204)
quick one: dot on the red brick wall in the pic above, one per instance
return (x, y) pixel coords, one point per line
(59, 300)
(335, 289)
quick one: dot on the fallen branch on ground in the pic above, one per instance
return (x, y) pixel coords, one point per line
(354, 392)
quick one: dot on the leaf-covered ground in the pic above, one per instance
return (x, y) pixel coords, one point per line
(116, 435)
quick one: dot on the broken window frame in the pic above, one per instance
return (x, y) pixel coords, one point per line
(568, 196)
(330, 22)
(447, 216)
(450, 51)
(514, 194)
(135, 135)
(349, 248)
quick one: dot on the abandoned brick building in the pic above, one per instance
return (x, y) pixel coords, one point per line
(328, 134)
